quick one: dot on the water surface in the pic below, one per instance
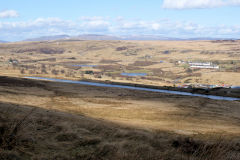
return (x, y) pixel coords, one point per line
(84, 65)
(133, 74)
(137, 88)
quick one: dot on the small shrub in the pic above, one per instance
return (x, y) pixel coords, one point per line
(121, 48)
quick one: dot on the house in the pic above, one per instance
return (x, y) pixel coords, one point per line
(199, 64)
(181, 62)
(206, 65)
(11, 61)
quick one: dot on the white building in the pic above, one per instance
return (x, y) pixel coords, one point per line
(200, 64)
(207, 65)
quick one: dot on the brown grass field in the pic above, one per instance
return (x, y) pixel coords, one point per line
(56, 59)
(43, 120)
(48, 120)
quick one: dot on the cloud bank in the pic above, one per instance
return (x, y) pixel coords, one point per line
(8, 14)
(19, 30)
(190, 4)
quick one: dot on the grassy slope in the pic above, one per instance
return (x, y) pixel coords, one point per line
(81, 122)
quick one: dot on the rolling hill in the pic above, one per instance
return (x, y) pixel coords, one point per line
(122, 37)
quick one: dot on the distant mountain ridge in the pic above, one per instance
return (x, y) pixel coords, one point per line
(148, 37)
(97, 37)
(101, 37)
(124, 37)
(3, 41)
(49, 38)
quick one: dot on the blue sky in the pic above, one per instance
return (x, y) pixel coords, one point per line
(21, 19)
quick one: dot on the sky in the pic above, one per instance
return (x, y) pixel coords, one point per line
(23, 19)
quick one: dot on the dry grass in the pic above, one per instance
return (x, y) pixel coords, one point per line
(67, 121)
(10, 130)
(55, 121)
(145, 55)
(47, 134)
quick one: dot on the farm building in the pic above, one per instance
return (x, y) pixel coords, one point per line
(207, 65)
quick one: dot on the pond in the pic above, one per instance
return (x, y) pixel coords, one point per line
(84, 65)
(134, 74)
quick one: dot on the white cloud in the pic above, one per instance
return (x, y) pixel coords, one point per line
(19, 30)
(96, 23)
(8, 14)
(93, 18)
(188, 4)
(156, 26)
